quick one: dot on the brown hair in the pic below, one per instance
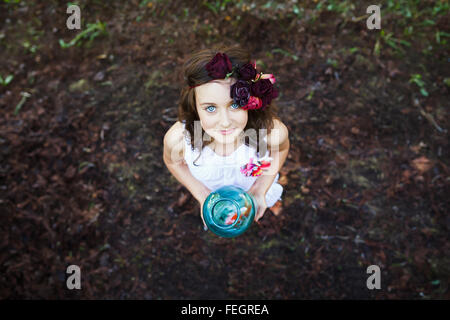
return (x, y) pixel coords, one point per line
(195, 74)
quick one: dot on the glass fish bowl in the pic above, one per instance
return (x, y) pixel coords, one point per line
(229, 211)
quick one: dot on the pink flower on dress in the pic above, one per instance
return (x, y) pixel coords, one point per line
(255, 169)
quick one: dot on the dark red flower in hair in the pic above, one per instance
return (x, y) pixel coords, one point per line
(265, 90)
(247, 72)
(240, 92)
(267, 99)
(219, 66)
(261, 87)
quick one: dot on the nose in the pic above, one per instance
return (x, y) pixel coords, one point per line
(225, 121)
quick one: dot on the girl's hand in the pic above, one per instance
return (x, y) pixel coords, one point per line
(201, 216)
(201, 199)
(260, 199)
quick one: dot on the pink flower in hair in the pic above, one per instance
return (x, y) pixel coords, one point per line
(268, 76)
(253, 103)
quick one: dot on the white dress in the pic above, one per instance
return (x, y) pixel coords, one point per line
(215, 171)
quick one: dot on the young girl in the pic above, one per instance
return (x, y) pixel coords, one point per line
(227, 131)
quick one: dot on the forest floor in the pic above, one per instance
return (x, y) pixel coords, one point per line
(82, 179)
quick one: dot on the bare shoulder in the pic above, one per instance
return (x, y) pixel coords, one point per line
(174, 143)
(279, 135)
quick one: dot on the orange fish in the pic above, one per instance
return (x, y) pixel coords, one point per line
(248, 208)
(231, 218)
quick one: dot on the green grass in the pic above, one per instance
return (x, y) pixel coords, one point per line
(25, 96)
(92, 31)
(417, 79)
(216, 6)
(286, 53)
(7, 80)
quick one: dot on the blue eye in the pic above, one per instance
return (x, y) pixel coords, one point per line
(234, 106)
(210, 109)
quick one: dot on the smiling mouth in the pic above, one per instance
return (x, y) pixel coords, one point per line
(225, 132)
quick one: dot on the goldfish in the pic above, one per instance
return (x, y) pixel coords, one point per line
(233, 216)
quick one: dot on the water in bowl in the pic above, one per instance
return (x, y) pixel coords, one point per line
(229, 211)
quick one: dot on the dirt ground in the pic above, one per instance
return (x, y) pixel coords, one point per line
(82, 179)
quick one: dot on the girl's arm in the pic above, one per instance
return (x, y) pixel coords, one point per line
(174, 160)
(278, 145)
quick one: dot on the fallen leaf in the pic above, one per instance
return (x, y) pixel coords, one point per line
(422, 164)
(304, 189)
(283, 180)
(277, 208)
(70, 172)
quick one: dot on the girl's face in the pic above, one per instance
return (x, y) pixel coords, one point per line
(220, 119)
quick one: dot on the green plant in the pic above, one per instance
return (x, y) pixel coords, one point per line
(393, 42)
(439, 35)
(29, 47)
(25, 96)
(417, 79)
(299, 12)
(340, 6)
(332, 62)
(216, 6)
(406, 8)
(447, 82)
(92, 31)
(284, 52)
(418, 20)
(7, 80)
(144, 3)
(441, 7)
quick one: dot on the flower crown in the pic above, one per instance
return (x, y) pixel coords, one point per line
(252, 90)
